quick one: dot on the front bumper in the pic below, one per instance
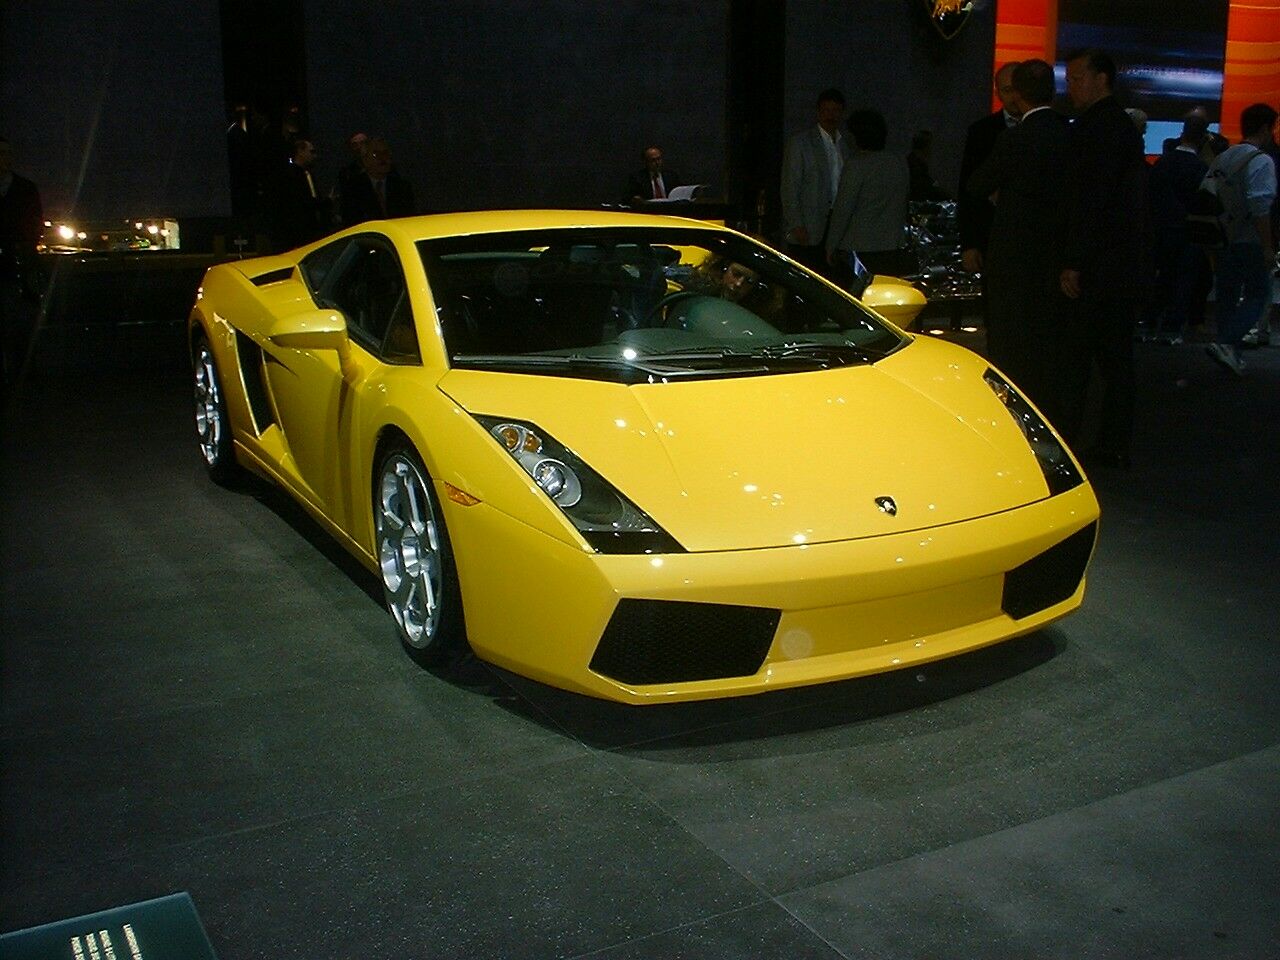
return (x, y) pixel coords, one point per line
(630, 628)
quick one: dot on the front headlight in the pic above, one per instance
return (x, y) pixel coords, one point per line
(1055, 463)
(606, 519)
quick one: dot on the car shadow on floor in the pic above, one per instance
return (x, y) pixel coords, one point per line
(612, 726)
(304, 525)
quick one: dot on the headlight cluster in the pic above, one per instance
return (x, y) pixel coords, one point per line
(606, 519)
(1055, 463)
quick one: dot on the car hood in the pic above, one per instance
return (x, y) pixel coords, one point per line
(778, 460)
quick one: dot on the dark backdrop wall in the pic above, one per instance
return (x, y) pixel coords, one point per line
(885, 54)
(517, 103)
(116, 109)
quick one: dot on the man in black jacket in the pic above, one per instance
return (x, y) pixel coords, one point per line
(1026, 315)
(1107, 266)
(378, 193)
(1175, 178)
(300, 212)
(975, 212)
(21, 224)
(652, 182)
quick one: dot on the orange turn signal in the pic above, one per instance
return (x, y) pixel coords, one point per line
(460, 496)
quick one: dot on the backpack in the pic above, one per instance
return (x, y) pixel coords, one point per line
(1205, 211)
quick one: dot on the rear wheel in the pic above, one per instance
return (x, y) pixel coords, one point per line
(419, 578)
(213, 427)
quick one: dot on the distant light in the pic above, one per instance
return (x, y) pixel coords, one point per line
(936, 332)
(137, 224)
(82, 235)
(164, 233)
(630, 354)
(48, 223)
(65, 232)
(153, 229)
(969, 329)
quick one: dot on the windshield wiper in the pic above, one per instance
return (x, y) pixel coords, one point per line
(844, 352)
(799, 352)
(624, 370)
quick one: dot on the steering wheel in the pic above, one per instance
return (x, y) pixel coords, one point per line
(668, 301)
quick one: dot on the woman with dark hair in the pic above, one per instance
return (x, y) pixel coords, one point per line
(870, 210)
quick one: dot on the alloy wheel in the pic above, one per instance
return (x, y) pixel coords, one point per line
(209, 419)
(409, 550)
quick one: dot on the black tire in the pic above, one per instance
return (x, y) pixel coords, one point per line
(213, 426)
(419, 577)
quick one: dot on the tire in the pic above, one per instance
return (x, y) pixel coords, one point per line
(213, 426)
(419, 577)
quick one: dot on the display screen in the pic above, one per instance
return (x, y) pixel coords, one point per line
(1171, 54)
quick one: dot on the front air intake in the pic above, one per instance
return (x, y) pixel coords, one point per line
(1050, 577)
(670, 641)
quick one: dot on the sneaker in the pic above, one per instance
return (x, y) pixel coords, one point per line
(1226, 356)
(1256, 338)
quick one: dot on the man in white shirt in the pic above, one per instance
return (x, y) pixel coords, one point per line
(1242, 285)
(810, 178)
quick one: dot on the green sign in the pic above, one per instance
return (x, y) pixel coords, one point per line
(163, 929)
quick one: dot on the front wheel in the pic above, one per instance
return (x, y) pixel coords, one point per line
(213, 426)
(419, 579)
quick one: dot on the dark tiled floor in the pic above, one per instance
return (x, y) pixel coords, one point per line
(200, 693)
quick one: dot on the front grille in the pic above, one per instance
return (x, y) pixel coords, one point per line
(1050, 577)
(671, 641)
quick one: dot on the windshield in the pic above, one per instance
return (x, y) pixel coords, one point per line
(640, 304)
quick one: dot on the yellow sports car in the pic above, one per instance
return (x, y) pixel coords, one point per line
(638, 457)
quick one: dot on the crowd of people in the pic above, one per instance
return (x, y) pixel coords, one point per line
(274, 182)
(1081, 245)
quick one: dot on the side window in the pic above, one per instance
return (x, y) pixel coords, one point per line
(370, 290)
(401, 344)
(317, 265)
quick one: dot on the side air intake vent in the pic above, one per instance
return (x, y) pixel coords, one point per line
(272, 276)
(250, 355)
(1049, 578)
(668, 641)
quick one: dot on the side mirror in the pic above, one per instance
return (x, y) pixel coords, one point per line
(324, 329)
(311, 330)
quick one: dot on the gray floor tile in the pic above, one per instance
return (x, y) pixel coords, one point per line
(1186, 868)
(551, 861)
(134, 783)
(754, 933)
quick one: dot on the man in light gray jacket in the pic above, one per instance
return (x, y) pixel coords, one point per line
(810, 178)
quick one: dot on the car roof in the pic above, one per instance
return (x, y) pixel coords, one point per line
(439, 225)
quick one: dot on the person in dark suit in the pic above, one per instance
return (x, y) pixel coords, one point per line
(1196, 133)
(974, 213)
(299, 210)
(1026, 174)
(381, 192)
(21, 225)
(1107, 268)
(1175, 178)
(652, 181)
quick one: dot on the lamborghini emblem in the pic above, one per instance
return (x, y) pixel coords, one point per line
(948, 16)
(887, 505)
